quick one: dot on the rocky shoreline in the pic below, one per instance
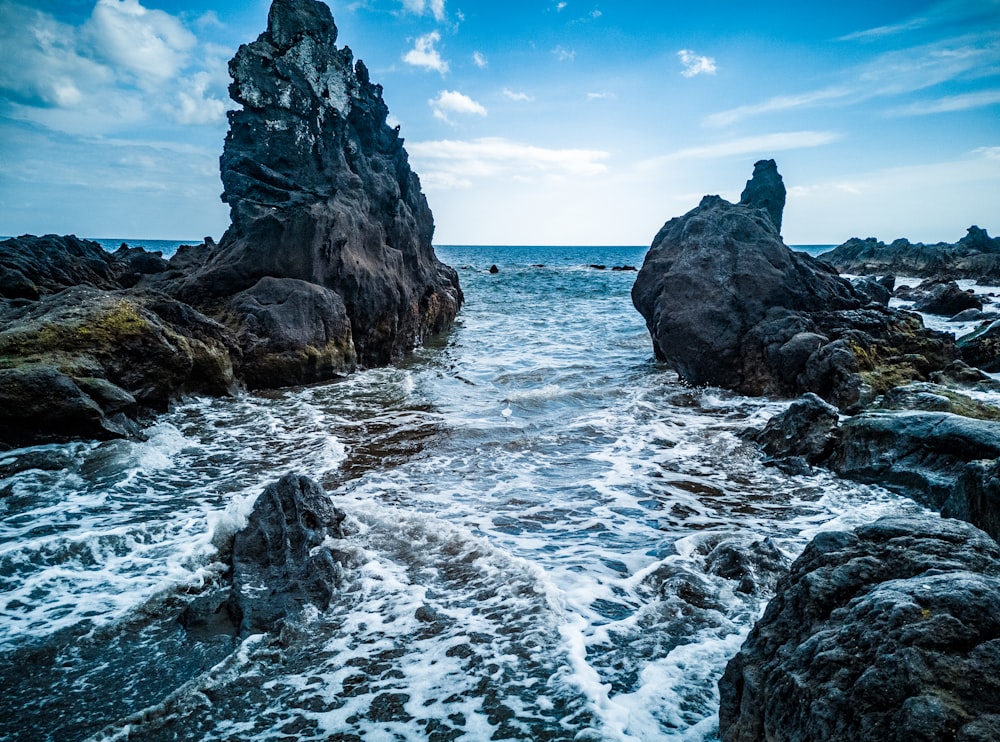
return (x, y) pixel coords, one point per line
(327, 265)
(890, 632)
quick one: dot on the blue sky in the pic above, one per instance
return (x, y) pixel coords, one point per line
(529, 122)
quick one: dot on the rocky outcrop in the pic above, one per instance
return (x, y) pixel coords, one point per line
(281, 561)
(83, 362)
(728, 304)
(321, 191)
(891, 632)
(937, 296)
(926, 441)
(977, 255)
(327, 265)
(766, 190)
(981, 348)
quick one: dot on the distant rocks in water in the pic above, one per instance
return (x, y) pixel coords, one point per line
(977, 255)
(494, 270)
(598, 266)
(889, 632)
(280, 561)
(327, 265)
(728, 304)
(624, 268)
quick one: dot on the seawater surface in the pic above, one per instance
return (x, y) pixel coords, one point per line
(538, 576)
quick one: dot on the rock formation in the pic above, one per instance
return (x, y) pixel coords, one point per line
(281, 561)
(328, 262)
(766, 190)
(728, 304)
(325, 209)
(891, 632)
(977, 255)
(939, 296)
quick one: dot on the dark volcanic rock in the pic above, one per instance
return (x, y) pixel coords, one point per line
(888, 633)
(935, 296)
(981, 348)
(976, 255)
(33, 266)
(805, 430)
(766, 190)
(280, 561)
(923, 453)
(117, 350)
(728, 304)
(321, 191)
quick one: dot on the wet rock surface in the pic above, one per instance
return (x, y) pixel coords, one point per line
(728, 304)
(327, 264)
(976, 255)
(281, 561)
(890, 632)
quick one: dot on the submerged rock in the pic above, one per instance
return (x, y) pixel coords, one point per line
(728, 304)
(321, 191)
(891, 632)
(281, 561)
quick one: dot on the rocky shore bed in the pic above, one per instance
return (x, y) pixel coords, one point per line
(890, 632)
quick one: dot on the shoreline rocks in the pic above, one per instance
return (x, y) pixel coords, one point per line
(976, 255)
(728, 304)
(890, 632)
(279, 562)
(327, 266)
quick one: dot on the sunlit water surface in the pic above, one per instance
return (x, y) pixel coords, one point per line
(540, 576)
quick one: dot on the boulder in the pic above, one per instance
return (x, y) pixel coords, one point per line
(32, 266)
(921, 453)
(873, 289)
(108, 354)
(291, 332)
(806, 431)
(977, 255)
(321, 191)
(981, 348)
(942, 297)
(728, 304)
(891, 632)
(281, 561)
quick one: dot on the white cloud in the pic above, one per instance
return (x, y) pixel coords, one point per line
(124, 66)
(695, 64)
(563, 54)
(603, 95)
(596, 14)
(758, 146)
(777, 103)
(149, 44)
(517, 95)
(883, 31)
(949, 104)
(448, 164)
(560, 6)
(451, 101)
(479, 59)
(419, 7)
(423, 53)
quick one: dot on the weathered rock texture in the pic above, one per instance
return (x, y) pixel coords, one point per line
(728, 304)
(328, 262)
(977, 255)
(891, 632)
(926, 441)
(766, 190)
(281, 561)
(321, 191)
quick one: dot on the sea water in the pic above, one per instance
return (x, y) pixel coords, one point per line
(533, 576)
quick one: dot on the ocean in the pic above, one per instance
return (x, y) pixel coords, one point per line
(537, 576)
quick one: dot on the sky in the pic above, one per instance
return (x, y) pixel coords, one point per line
(529, 122)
